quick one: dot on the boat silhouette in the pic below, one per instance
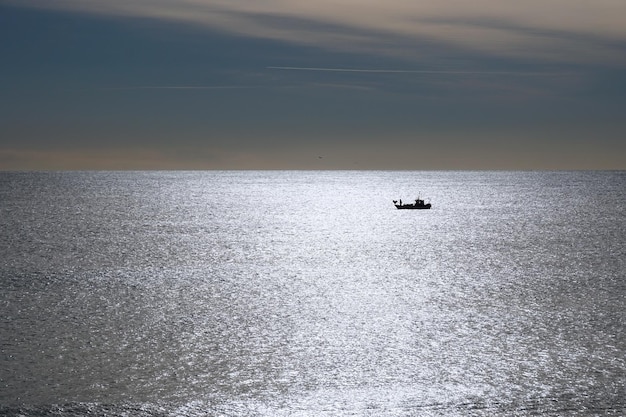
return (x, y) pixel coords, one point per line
(418, 205)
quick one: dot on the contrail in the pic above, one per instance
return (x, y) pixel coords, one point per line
(400, 71)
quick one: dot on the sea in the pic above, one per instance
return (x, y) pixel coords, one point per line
(307, 293)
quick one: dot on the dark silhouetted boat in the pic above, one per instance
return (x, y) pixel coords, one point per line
(418, 205)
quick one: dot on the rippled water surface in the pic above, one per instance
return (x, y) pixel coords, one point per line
(308, 293)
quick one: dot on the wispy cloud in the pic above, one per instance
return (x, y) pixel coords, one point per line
(408, 71)
(184, 87)
(555, 30)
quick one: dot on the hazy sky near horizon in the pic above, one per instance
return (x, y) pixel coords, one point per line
(342, 84)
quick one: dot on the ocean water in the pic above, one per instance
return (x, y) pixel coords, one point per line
(308, 294)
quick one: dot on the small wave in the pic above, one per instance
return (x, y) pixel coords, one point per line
(86, 409)
(546, 406)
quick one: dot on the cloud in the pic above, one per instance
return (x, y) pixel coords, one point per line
(408, 71)
(550, 30)
(183, 87)
(113, 158)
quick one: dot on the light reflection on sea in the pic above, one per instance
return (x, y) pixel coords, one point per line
(308, 293)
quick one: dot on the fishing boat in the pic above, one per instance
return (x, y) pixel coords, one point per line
(418, 205)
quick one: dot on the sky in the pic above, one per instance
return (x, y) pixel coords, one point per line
(341, 84)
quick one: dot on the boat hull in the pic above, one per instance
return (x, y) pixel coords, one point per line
(413, 206)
